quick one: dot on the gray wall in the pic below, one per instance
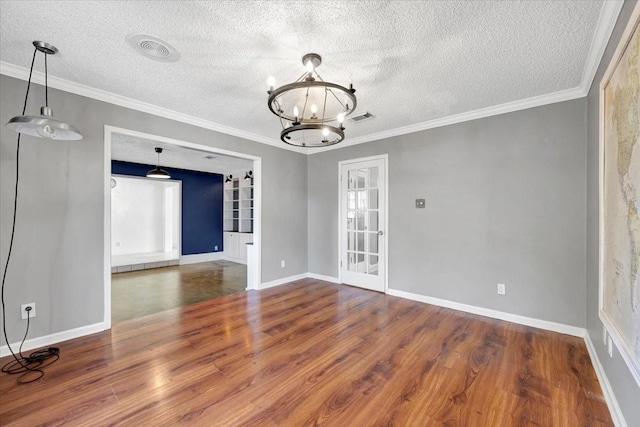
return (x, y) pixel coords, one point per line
(505, 200)
(626, 391)
(57, 259)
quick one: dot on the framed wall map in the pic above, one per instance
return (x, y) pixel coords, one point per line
(620, 196)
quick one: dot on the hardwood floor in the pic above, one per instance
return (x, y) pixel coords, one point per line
(139, 293)
(313, 353)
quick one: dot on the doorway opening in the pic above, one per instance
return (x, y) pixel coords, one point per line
(171, 255)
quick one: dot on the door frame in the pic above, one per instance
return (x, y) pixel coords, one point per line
(385, 159)
(257, 204)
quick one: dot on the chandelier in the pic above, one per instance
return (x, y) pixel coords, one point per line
(311, 111)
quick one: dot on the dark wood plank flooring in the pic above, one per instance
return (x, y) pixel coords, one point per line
(313, 353)
(139, 293)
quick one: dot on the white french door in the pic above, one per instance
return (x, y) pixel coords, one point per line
(363, 206)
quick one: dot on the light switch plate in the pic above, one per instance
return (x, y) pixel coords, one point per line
(420, 203)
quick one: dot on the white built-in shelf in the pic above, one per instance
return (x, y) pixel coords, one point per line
(238, 205)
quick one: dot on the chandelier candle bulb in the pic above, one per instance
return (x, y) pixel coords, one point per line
(271, 81)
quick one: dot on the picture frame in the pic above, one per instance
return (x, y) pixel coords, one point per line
(619, 196)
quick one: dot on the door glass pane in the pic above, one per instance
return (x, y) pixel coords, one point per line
(373, 198)
(351, 241)
(351, 220)
(362, 178)
(361, 242)
(373, 221)
(351, 199)
(361, 224)
(362, 199)
(373, 243)
(362, 267)
(351, 180)
(373, 177)
(373, 264)
(351, 261)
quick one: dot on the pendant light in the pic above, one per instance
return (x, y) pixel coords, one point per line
(44, 125)
(157, 172)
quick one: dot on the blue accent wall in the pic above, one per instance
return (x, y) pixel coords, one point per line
(202, 205)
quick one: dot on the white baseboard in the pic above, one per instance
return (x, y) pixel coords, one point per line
(232, 259)
(323, 277)
(282, 281)
(58, 337)
(612, 402)
(509, 317)
(196, 258)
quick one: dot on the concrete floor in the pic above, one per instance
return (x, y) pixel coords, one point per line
(139, 293)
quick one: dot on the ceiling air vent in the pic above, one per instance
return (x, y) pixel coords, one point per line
(362, 117)
(153, 47)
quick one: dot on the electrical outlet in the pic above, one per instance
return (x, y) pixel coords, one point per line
(282, 264)
(215, 248)
(610, 346)
(502, 289)
(31, 313)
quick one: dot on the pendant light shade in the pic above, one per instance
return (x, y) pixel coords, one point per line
(44, 125)
(157, 172)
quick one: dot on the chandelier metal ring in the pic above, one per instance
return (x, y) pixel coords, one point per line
(304, 85)
(312, 126)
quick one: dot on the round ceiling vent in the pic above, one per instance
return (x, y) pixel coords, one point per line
(153, 47)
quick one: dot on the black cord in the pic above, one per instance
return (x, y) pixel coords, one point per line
(35, 361)
(46, 83)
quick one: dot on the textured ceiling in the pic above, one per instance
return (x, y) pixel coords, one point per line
(410, 61)
(140, 150)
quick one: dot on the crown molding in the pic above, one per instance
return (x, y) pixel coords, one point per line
(22, 73)
(606, 23)
(509, 107)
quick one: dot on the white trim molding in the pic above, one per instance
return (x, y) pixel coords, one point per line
(22, 73)
(195, 258)
(329, 279)
(55, 338)
(509, 107)
(606, 22)
(278, 282)
(495, 314)
(607, 390)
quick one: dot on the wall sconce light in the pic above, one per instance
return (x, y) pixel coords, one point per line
(248, 175)
(229, 178)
